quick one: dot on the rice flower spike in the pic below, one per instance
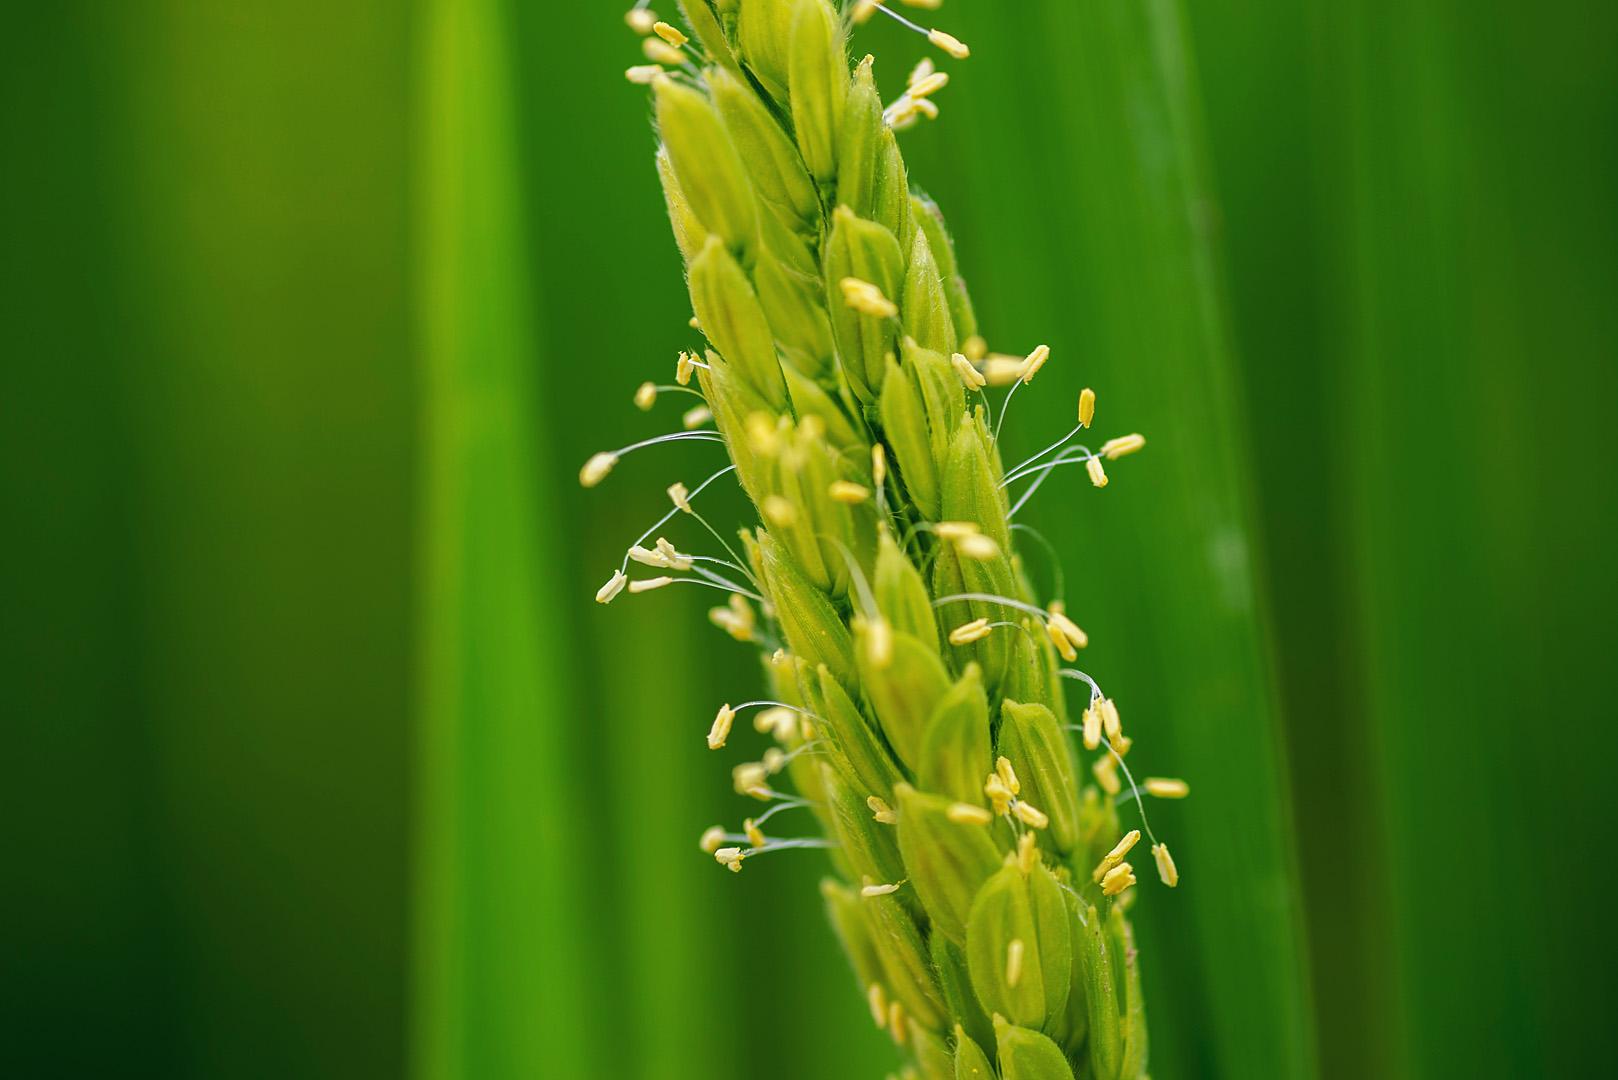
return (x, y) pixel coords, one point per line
(914, 695)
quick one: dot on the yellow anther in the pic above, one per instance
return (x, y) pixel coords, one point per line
(671, 557)
(750, 777)
(1070, 629)
(929, 84)
(955, 530)
(966, 633)
(1014, 949)
(971, 376)
(877, 999)
(924, 67)
(977, 547)
(779, 510)
(846, 491)
(695, 417)
(881, 811)
(730, 858)
(643, 74)
(754, 834)
(930, 5)
(1092, 728)
(863, 10)
(680, 496)
(645, 396)
(670, 34)
(867, 299)
(596, 469)
(1106, 773)
(1116, 855)
(1063, 645)
(720, 731)
(712, 839)
(777, 722)
(1008, 775)
(1098, 475)
(967, 814)
(1121, 745)
(641, 20)
(898, 1022)
(1161, 787)
(1034, 362)
(1167, 872)
(661, 52)
(949, 43)
(1113, 449)
(648, 584)
(1110, 723)
(878, 890)
(879, 464)
(1117, 879)
(1030, 816)
(1087, 406)
(775, 759)
(615, 585)
(685, 366)
(999, 794)
(975, 348)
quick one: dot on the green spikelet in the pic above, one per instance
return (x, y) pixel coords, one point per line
(917, 710)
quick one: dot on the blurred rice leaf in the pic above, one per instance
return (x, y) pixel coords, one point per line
(499, 990)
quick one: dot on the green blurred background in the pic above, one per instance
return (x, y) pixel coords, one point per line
(320, 762)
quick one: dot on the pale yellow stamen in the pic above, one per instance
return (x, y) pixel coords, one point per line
(615, 585)
(975, 347)
(1027, 853)
(749, 777)
(778, 722)
(1106, 773)
(846, 491)
(641, 20)
(1098, 475)
(1008, 775)
(949, 43)
(643, 74)
(1092, 728)
(596, 469)
(966, 814)
(966, 633)
(971, 376)
(696, 417)
(1167, 872)
(1116, 855)
(645, 396)
(713, 838)
(878, 890)
(930, 84)
(1014, 949)
(1087, 406)
(648, 584)
(1035, 361)
(1110, 722)
(955, 530)
(730, 858)
(685, 366)
(1113, 449)
(881, 811)
(977, 547)
(1070, 629)
(1030, 816)
(1003, 370)
(878, 1001)
(779, 511)
(1117, 879)
(670, 34)
(775, 759)
(1161, 787)
(1060, 640)
(754, 834)
(867, 299)
(999, 794)
(671, 557)
(680, 496)
(930, 5)
(863, 10)
(720, 731)
(879, 464)
(661, 52)
(898, 1025)
(923, 68)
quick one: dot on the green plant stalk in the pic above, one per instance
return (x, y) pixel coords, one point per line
(917, 693)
